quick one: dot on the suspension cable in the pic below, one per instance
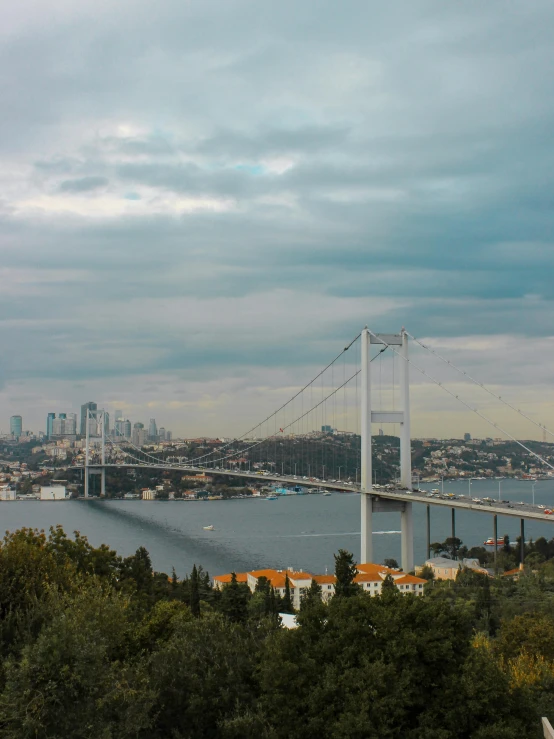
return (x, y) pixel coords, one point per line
(480, 384)
(467, 405)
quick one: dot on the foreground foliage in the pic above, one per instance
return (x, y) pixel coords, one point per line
(98, 646)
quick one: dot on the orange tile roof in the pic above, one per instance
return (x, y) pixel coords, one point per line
(373, 577)
(510, 573)
(370, 568)
(299, 576)
(410, 580)
(325, 579)
(241, 577)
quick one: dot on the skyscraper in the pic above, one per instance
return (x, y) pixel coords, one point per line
(90, 406)
(161, 433)
(49, 421)
(152, 430)
(16, 426)
(127, 428)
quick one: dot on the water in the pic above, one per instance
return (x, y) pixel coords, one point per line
(299, 531)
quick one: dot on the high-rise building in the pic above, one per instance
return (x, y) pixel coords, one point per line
(64, 425)
(127, 428)
(168, 435)
(16, 426)
(467, 436)
(152, 430)
(49, 421)
(90, 406)
(161, 433)
(138, 433)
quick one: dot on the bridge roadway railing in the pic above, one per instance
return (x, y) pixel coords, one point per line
(499, 508)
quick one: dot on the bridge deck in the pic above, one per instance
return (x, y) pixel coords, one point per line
(516, 511)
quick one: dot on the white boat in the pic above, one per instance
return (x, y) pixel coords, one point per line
(326, 493)
(208, 528)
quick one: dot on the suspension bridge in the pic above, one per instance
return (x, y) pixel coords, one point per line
(348, 392)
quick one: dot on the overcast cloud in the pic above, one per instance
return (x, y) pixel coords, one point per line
(201, 202)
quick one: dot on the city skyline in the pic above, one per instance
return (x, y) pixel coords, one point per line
(195, 256)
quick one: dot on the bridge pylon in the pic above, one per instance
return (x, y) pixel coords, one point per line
(99, 416)
(369, 504)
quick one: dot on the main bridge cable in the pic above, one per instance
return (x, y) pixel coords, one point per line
(258, 425)
(480, 384)
(229, 456)
(313, 408)
(463, 402)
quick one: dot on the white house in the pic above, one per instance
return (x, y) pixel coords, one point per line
(53, 492)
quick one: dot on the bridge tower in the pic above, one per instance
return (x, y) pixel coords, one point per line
(100, 418)
(373, 504)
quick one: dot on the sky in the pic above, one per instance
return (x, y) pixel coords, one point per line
(201, 202)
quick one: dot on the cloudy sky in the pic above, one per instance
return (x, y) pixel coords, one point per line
(201, 201)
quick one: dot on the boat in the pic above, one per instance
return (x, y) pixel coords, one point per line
(208, 528)
(271, 497)
(490, 542)
(326, 493)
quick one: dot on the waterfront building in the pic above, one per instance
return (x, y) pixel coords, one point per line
(370, 578)
(90, 406)
(148, 494)
(16, 426)
(6, 493)
(53, 492)
(447, 569)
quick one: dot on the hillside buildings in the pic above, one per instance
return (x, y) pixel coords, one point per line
(370, 578)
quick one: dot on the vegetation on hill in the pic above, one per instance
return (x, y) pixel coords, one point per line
(97, 645)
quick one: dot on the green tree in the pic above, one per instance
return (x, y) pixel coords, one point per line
(312, 596)
(73, 681)
(234, 600)
(204, 677)
(194, 593)
(392, 563)
(345, 572)
(286, 602)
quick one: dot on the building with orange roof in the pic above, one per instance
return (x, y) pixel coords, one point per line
(370, 578)
(221, 580)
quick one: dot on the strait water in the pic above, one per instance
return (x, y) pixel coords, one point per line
(300, 531)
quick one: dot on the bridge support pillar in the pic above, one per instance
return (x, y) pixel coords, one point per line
(454, 533)
(103, 483)
(87, 451)
(367, 529)
(405, 433)
(495, 534)
(366, 554)
(428, 532)
(522, 541)
(407, 537)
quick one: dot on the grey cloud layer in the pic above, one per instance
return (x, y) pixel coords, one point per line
(158, 162)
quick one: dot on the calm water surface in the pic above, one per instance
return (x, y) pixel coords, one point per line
(299, 531)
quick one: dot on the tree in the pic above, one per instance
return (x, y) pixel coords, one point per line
(286, 602)
(392, 563)
(427, 573)
(234, 600)
(345, 572)
(194, 593)
(312, 597)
